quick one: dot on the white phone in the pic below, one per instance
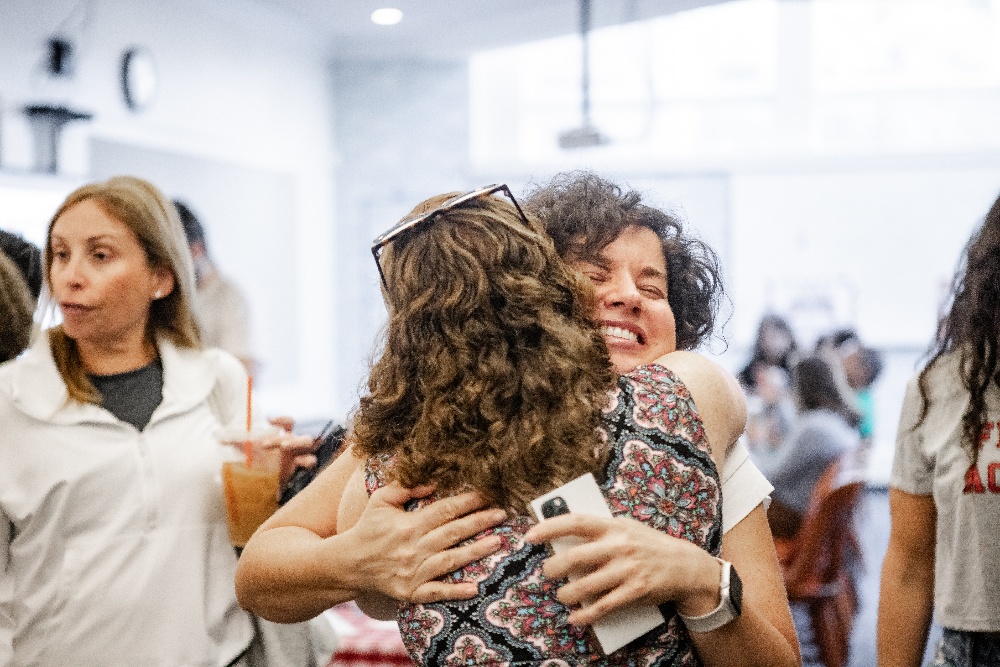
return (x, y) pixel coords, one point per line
(583, 496)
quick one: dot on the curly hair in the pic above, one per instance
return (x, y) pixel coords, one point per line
(492, 376)
(18, 307)
(970, 328)
(584, 213)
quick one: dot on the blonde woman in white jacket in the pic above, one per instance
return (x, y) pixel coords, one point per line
(113, 543)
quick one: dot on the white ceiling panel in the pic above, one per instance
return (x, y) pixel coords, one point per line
(447, 29)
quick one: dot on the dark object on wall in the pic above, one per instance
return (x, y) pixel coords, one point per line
(138, 77)
(46, 125)
(61, 61)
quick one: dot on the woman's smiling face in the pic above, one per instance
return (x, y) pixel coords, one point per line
(630, 282)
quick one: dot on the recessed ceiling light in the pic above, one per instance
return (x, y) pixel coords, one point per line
(387, 16)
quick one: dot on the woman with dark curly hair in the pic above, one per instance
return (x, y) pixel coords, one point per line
(493, 378)
(585, 214)
(658, 290)
(943, 550)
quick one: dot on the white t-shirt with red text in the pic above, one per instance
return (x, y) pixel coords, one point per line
(930, 460)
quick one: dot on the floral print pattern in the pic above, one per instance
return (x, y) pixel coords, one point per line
(417, 625)
(472, 650)
(659, 471)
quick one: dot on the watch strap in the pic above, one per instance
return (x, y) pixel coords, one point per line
(721, 615)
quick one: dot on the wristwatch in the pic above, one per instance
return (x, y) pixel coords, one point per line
(730, 606)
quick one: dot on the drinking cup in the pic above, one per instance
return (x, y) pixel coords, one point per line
(249, 479)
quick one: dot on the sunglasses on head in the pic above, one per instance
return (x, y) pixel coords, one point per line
(458, 201)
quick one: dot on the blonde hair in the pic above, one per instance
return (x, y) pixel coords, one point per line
(150, 216)
(18, 308)
(492, 376)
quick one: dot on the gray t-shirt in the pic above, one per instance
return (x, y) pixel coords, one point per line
(132, 396)
(929, 460)
(817, 440)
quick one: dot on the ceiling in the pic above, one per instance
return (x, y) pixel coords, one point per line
(448, 29)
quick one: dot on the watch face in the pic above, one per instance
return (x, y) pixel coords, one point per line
(735, 590)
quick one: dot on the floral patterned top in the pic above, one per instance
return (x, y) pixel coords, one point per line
(659, 471)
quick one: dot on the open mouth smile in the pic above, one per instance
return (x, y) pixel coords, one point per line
(613, 333)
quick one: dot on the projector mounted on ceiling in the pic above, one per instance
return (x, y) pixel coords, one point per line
(582, 137)
(587, 135)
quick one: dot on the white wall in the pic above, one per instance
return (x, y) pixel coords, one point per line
(237, 86)
(402, 136)
(886, 239)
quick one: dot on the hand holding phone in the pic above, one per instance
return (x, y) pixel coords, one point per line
(583, 496)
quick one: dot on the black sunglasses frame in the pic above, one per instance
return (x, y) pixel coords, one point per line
(407, 224)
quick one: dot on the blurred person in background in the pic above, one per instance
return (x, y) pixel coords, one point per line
(28, 259)
(825, 430)
(943, 558)
(825, 433)
(17, 309)
(20, 287)
(222, 308)
(114, 548)
(765, 380)
(862, 367)
(774, 346)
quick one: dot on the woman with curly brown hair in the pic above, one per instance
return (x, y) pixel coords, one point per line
(492, 375)
(943, 550)
(492, 378)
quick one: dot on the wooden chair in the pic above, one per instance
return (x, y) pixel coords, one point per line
(817, 561)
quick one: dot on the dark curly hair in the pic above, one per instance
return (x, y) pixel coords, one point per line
(18, 308)
(970, 328)
(492, 376)
(584, 213)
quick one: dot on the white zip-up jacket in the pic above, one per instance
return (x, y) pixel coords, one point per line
(113, 542)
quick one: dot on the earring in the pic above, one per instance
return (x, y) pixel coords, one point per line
(158, 295)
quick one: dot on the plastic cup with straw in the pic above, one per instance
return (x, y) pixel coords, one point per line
(250, 481)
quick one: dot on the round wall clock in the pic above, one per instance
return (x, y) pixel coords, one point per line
(138, 77)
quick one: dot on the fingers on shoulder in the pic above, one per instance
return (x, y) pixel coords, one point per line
(391, 494)
(458, 530)
(454, 507)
